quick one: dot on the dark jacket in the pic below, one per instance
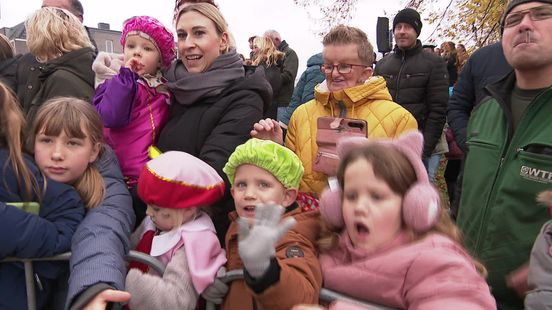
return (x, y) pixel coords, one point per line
(418, 81)
(291, 64)
(212, 127)
(8, 69)
(485, 66)
(274, 77)
(304, 90)
(26, 235)
(68, 75)
(504, 171)
(102, 240)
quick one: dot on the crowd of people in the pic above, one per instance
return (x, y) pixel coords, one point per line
(211, 162)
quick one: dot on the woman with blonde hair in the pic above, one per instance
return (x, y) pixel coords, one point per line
(451, 59)
(272, 60)
(214, 103)
(61, 44)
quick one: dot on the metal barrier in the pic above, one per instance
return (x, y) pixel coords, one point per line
(29, 270)
(326, 295)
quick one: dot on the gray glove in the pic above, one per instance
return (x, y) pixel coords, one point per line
(257, 243)
(216, 291)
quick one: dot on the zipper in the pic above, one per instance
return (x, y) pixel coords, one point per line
(403, 61)
(507, 149)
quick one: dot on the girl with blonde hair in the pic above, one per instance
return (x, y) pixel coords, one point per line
(73, 122)
(67, 144)
(38, 217)
(61, 44)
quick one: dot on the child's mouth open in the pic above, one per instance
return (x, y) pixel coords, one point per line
(249, 211)
(362, 230)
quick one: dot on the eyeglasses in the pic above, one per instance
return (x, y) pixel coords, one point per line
(341, 68)
(537, 13)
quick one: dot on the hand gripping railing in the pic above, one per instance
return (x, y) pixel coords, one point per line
(326, 295)
(29, 270)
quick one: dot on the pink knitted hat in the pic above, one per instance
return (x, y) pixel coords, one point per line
(161, 36)
(421, 203)
(179, 180)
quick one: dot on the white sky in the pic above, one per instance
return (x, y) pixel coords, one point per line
(245, 17)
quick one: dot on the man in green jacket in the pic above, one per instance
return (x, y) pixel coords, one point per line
(509, 157)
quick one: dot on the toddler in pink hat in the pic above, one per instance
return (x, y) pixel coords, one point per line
(134, 101)
(176, 187)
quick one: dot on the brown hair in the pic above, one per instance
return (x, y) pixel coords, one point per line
(70, 115)
(12, 125)
(7, 50)
(398, 173)
(342, 35)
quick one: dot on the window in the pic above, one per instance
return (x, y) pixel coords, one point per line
(109, 46)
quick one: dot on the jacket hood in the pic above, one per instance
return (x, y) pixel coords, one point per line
(315, 60)
(374, 88)
(78, 62)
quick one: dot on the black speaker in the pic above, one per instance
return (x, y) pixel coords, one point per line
(383, 35)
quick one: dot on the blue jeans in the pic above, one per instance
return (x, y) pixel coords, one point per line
(432, 166)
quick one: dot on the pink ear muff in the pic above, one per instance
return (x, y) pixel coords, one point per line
(330, 207)
(421, 207)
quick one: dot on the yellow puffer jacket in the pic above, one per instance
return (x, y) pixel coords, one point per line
(370, 101)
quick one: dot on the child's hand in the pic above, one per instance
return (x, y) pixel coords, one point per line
(517, 280)
(102, 299)
(257, 243)
(134, 65)
(216, 291)
(268, 129)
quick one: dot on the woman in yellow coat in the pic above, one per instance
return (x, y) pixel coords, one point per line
(349, 91)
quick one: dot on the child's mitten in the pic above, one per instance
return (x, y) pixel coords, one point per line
(256, 243)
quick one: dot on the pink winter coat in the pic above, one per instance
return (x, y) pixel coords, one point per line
(432, 273)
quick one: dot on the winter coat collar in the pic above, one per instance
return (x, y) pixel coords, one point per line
(374, 88)
(166, 241)
(409, 52)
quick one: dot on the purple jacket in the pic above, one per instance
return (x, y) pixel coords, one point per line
(133, 111)
(432, 273)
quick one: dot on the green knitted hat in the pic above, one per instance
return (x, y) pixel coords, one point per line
(268, 155)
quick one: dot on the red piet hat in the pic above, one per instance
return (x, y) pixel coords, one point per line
(179, 180)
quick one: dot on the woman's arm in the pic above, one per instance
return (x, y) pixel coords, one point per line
(102, 240)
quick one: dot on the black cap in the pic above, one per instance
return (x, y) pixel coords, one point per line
(411, 17)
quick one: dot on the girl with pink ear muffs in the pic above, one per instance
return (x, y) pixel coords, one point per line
(388, 241)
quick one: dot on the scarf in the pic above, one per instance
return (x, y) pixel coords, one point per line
(188, 88)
